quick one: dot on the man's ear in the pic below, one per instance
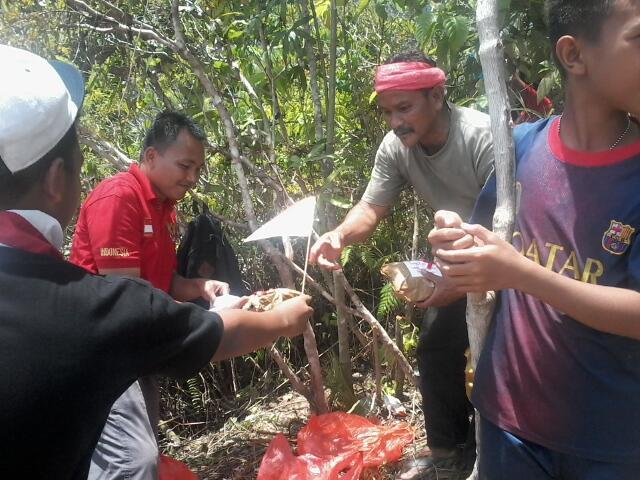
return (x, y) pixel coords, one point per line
(437, 94)
(570, 56)
(55, 182)
(149, 155)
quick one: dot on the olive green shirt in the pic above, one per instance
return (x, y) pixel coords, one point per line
(449, 180)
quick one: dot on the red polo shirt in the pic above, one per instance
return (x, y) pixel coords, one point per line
(123, 224)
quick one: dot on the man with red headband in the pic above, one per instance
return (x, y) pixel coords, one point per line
(445, 153)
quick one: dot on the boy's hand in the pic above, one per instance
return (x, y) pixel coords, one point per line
(444, 294)
(294, 314)
(447, 233)
(491, 265)
(326, 251)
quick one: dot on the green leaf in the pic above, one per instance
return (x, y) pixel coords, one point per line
(457, 29)
(341, 202)
(300, 22)
(213, 188)
(389, 302)
(381, 10)
(322, 8)
(368, 259)
(333, 175)
(317, 151)
(232, 34)
(362, 6)
(345, 256)
(545, 86)
(295, 161)
(373, 97)
(423, 28)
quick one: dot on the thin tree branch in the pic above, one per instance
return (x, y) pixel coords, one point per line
(144, 33)
(383, 335)
(104, 149)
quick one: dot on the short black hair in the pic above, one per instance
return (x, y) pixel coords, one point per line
(411, 56)
(166, 128)
(13, 186)
(578, 18)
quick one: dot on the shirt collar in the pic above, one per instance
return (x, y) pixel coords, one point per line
(48, 226)
(145, 184)
(147, 189)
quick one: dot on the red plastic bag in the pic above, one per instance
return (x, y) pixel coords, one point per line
(339, 432)
(172, 469)
(334, 446)
(279, 463)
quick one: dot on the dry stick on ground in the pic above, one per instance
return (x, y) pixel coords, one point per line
(295, 381)
(480, 306)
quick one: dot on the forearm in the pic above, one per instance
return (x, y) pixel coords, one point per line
(185, 289)
(607, 309)
(246, 331)
(360, 222)
(133, 272)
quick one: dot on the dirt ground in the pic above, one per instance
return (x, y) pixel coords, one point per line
(235, 451)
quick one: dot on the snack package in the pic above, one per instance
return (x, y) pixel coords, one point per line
(414, 281)
(264, 301)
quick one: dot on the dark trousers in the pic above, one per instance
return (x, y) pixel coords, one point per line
(441, 362)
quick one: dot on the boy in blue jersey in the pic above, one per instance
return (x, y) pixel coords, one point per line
(558, 382)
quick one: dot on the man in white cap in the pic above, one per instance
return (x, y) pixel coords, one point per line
(445, 153)
(72, 342)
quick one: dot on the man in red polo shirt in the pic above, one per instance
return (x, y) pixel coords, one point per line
(127, 226)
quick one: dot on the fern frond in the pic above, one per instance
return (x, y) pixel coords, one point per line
(195, 395)
(389, 302)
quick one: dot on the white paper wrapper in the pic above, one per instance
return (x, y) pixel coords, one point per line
(222, 302)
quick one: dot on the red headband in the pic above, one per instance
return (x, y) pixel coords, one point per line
(408, 76)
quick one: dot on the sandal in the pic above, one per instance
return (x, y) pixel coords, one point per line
(430, 468)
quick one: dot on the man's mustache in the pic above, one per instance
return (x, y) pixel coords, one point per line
(400, 131)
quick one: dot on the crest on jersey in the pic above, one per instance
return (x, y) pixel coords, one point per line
(617, 238)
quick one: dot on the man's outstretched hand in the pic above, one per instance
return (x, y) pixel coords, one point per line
(326, 251)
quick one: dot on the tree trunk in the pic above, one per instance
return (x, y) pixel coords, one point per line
(275, 104)
(480, 306)
(313, 73)
(344, 352)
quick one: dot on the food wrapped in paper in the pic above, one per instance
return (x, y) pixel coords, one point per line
(264, 301)
(414, 281)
